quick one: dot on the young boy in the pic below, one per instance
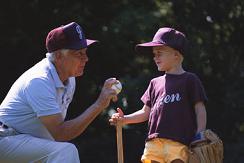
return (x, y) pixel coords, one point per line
(173, 103)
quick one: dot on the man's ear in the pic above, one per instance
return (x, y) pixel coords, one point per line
(58, 54)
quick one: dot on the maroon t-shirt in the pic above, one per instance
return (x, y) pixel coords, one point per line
(171, 99)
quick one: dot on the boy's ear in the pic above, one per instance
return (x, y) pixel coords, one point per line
(176, 53)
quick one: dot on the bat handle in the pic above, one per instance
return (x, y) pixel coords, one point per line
(119, 142)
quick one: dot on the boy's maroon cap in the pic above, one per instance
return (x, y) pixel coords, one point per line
(165, 36)
(68, 36)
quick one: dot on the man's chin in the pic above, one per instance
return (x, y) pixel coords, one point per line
(160, 69)
(79, 74)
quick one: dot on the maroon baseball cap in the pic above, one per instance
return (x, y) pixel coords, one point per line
(68, 36)
(165, 36)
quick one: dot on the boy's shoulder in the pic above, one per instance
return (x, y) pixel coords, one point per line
(192, 75)
(185, 74)
(158, 78)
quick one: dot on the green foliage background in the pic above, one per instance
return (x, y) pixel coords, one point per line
(214, 28)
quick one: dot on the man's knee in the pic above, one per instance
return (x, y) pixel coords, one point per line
(70, 148)
(65, 152)
(69, 152)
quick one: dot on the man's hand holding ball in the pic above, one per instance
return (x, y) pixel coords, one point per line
(117, 87)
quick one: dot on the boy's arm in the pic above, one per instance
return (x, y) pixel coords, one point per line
(201, 116)
(138, 116)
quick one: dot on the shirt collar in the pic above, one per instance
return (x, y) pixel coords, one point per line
(57, 81)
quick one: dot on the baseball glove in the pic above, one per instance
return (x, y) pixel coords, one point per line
(209, 151)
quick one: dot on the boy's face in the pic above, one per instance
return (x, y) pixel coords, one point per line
(165, 58)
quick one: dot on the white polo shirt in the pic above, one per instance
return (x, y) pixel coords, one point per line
(37, 92)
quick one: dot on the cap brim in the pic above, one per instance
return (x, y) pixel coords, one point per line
(90, 42)
(146, 48)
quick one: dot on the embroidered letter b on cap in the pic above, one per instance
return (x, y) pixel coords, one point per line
(69, 36)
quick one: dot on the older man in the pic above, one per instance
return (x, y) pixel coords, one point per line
(32, 115)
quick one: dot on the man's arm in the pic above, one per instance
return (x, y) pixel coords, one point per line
(201, 116)
(66, 130)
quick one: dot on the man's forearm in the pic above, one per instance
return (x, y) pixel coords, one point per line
(75, 127)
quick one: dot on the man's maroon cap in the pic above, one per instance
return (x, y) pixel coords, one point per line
(68, 36)
(165, 36)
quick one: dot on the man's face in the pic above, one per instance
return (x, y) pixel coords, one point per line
(73, 62)
(164, 57)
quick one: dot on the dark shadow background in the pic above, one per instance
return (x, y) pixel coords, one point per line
(214, 28)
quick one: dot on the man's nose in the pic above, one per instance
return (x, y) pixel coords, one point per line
(85, 58)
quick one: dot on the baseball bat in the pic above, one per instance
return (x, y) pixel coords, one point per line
(119, 142)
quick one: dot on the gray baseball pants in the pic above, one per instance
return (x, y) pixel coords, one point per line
(24, 148)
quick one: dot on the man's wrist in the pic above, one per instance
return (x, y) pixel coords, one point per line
(97, 105)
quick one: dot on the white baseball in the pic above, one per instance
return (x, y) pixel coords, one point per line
(117, 87)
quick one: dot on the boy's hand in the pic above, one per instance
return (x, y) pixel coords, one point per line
(119, 116)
